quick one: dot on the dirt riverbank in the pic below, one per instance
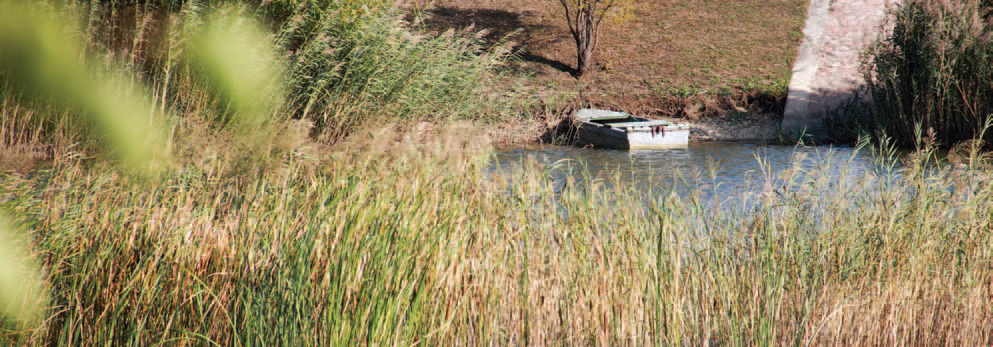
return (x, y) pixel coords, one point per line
(697, 62)
(741, 127)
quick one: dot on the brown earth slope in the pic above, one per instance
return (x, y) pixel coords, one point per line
(690, 59)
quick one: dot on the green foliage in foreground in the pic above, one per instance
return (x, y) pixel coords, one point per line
(161, 85)
(934, 72)
(417, 244)
(21, 295)
(37, 61)
(39, 65)
(339, 64)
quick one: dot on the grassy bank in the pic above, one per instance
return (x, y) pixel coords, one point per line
(416, 243)
(664, 58)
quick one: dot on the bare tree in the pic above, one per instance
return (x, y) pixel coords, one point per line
(584, 17)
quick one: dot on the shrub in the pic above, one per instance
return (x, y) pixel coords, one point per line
(934, 72)
(342, 71)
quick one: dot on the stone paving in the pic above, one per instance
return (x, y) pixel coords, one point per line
(826, 73)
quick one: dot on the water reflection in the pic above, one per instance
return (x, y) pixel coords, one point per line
(715, 170)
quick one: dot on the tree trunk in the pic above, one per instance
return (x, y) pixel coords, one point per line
(583, 17)
(584, 57)
(586, 35)
(583, 63)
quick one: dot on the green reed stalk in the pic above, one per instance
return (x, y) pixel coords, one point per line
(420, 246)
(933, 71)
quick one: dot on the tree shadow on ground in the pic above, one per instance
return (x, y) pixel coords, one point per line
(500, 24)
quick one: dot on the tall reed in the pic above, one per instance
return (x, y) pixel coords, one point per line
(934, 72)
(420, 242)
(344, 63)
(344, 71)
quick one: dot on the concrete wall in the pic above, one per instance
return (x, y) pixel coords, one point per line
(826, 72)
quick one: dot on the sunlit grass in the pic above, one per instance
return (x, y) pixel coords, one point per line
(413, 243)
(409, 238)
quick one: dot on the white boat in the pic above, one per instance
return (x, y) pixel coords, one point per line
(609, 129)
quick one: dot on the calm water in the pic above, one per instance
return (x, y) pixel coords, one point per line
(714, 169)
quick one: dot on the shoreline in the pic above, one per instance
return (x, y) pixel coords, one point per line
(743, 127)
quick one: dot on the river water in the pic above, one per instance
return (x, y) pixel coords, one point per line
(707, 169)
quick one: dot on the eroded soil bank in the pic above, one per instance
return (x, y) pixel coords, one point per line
(727, 125)
(696, 62)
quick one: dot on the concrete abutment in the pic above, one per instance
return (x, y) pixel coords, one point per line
(826, 73)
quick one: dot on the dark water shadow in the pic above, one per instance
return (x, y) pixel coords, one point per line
(562, 134)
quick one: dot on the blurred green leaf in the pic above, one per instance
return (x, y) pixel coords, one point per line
(21, 294)
(39, 58)
(238, 61)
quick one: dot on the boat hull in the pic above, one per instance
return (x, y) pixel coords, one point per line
(617, 130)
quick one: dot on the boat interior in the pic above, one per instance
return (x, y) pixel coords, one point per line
(616, 120)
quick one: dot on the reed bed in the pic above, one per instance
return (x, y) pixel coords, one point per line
(419, 242)
(337, 64)
(341, 69)
(932, 75)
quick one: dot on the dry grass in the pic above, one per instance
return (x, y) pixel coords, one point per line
(403, 240)
(649, 51)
